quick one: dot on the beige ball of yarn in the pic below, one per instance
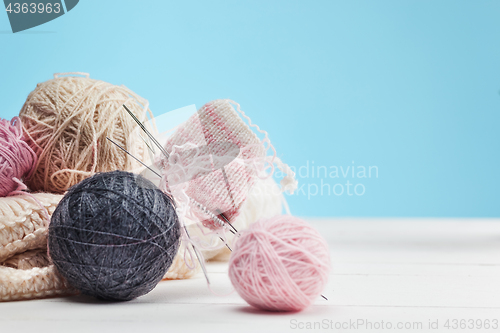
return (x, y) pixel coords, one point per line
(67, 120)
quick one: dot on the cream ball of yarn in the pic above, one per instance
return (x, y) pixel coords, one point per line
(67, 120)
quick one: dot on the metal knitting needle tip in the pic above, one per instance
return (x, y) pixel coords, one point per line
(202, 265)
(234, 232)
(151, 149)
(198, 257)
(227, 221)
(151, 137)
(135, 158)
(226, 244)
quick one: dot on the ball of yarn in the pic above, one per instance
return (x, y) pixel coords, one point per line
(114, 236)
(281, 264)
(17, 159)
(67, 120)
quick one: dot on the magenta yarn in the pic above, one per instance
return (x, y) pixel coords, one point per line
(17, 159)
(280, 264)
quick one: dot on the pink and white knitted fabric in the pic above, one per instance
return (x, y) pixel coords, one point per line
(214, 161)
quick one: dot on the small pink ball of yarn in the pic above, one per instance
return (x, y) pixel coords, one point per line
(17, 159)
(280, 264)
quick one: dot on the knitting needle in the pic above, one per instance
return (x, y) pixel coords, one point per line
(225, 244)
(151, 137)
(225, 218)
(227, 221)
(198, 256)
(147, 145)
(135, 158)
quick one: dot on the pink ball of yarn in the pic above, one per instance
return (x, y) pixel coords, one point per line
(280, 264)
(17, 159)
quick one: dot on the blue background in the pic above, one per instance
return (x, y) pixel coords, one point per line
(411, 87)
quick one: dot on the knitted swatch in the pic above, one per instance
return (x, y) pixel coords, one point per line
(26, 272)
(214, 160)
(23, 226)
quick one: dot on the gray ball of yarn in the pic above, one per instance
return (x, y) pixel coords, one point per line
(114, 236)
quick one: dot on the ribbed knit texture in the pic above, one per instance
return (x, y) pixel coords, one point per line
(25, 271)
(221, 182)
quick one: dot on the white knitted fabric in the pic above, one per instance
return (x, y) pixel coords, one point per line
(23, 226)
(29, 259)
(26, 272)
(18, 284)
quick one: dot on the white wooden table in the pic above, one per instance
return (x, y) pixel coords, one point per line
(393, 274)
